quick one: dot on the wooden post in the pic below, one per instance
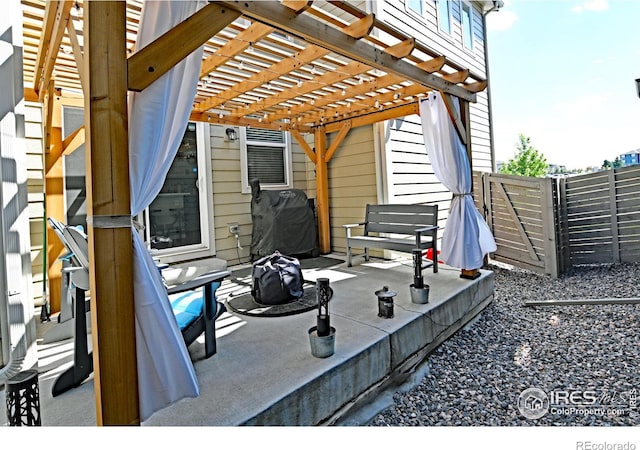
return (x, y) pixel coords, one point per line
(322, 190)
(110, 249)
(54, 194)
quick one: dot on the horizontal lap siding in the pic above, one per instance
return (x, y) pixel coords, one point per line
(352, 182)
(35, 195)
(230, 204)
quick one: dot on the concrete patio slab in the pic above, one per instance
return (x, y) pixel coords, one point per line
(264, 373)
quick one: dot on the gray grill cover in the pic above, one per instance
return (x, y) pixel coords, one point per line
(283, 221)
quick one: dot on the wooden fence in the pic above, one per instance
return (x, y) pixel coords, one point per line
(549, 225)
(521, 214)
(601, 217)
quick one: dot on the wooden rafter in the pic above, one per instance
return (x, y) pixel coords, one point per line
(359, 89)
(402, 49)
(56, 17)
(275, 71)
(250, 35)
(311, 30)
(433, 65)
(361, 27)
(366, 105)
(150, 63)
(457, 77)
(329, 78)
(298, 6)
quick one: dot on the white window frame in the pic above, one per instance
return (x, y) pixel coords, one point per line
(408, 8)
(449, 18)
(465, 5)
(207, 247)
(288, 170)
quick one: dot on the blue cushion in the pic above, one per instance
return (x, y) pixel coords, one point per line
(187, 306)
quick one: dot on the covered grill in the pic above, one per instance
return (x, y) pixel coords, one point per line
(283, 220)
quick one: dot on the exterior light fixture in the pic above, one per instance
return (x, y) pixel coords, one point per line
(232, 134)
(638, 86)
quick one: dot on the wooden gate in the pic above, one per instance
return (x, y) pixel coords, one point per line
(521, 214)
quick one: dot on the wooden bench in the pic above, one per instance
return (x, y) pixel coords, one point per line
(412, 227)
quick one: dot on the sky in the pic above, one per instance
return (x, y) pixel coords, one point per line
(562, 72)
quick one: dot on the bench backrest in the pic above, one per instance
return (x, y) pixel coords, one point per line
(399, 219)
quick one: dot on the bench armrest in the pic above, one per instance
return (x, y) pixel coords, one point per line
(425, 229)
(199, 281)
(352, 225)
(349, 226)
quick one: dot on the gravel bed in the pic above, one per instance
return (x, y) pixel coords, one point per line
(589, 351)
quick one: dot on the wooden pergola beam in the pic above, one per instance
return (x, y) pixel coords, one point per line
(359, 106)
(313, 31)
(210, 117)
(57, 15)
(157, 58)
(374, 117)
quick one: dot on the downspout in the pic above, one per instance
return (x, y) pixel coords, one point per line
(496, 7)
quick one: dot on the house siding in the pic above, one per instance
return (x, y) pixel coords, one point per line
(352, 182)
(230, 205)
(35, 193)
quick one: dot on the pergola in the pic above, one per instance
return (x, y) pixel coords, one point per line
(287, 65)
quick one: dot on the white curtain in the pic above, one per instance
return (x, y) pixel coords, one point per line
(158, 117)
(467, 237)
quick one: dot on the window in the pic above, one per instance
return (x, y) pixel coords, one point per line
(415, 5)
(467, 26)
(444, 16)
(265, 156)
(180, 219)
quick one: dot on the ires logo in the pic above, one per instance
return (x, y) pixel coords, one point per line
(573, 398)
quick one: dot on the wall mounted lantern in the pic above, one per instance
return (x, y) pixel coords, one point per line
(232, 134)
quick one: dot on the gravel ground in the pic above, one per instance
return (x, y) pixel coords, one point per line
(589, 351)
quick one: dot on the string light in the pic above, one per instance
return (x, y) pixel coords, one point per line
(344, 92)
(299, 83)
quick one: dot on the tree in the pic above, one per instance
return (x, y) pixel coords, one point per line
(615, 164)
(528, 161)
